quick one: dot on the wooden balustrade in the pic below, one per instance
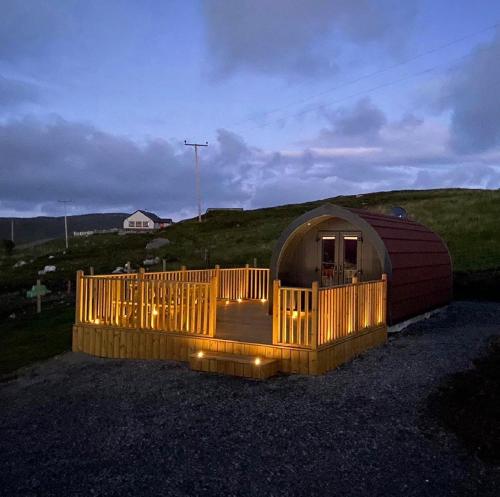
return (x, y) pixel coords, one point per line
(293, 316)
(313, 317)
(234, 283)
(149, 304)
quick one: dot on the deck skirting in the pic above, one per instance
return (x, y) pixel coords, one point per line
(126, 343)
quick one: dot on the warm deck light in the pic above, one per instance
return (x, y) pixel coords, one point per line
(155, 313)
(97, 321)
(295, 314)
(239, 300)
(257, 361)
(227, 302)
(263, 300)
(200, 354)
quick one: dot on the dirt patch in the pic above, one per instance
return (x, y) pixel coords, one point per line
(468, 403)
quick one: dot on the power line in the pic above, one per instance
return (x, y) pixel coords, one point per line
(373, 89)
(197, 172)
(374, 73)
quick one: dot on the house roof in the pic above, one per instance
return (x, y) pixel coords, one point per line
(153, 217)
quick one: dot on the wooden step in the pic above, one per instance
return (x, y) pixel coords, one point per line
(246, 366)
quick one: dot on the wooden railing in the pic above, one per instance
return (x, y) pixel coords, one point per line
(314, 317)
(246, 283)
(149, 304)
(294, 315)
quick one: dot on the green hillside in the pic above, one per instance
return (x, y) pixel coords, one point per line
(468, 220)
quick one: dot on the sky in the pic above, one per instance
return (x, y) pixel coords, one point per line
(298, 100)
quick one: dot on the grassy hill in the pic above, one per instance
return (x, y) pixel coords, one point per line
(466, 219)
(31, 229)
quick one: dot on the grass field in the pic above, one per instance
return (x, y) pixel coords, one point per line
(466, 219)
(35, 337)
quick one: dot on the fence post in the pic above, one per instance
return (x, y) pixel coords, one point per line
(38, 297)
(140, 303)
(384, 298)
(212, 323)
(217, 273)
(314, 315)
(78, 296)
(246, 296)
(276, 311)
(313, 355)
(355, 304)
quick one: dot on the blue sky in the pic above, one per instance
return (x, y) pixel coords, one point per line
(299, 100)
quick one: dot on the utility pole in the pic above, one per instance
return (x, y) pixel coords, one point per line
(65, 202)
(198, 189)
(12, 229)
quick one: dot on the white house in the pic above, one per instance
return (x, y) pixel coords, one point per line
(145, 221)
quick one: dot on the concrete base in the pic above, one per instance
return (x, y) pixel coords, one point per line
(404, 324)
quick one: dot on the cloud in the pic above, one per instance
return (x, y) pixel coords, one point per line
(14, 92)
(363, 120)
(471, 94)
(298, 38)
(45, 161)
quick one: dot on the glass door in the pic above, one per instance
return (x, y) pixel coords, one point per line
(351, 257)
(329, 269)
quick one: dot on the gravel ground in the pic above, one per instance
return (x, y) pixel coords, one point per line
(77, 425)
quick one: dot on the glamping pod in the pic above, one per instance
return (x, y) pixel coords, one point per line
(332, 244)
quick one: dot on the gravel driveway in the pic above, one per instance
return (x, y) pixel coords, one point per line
(77, 425)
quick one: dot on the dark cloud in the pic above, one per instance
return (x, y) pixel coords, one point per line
(42, 162)
(281, 36)
(471, 93)
(14, 93)
(363, 120)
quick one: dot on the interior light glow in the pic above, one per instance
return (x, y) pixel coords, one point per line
(328, 238)
(257, 361)
(200, 354)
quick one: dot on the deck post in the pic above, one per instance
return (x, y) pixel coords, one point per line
(313, 354)
(276, 311)
(355, 304)
(91, 270)
(217, 273)
(384, 298)
(78, 296)
(212, 323)
(140, 302)
(246, 294)
(164, 265)
(314, 315)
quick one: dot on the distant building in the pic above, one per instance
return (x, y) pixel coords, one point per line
(145, 221)
(224, 209)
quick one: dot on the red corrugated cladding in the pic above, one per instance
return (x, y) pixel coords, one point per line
(421, 266)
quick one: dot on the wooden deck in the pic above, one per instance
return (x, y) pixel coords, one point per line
(246, 321)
